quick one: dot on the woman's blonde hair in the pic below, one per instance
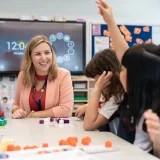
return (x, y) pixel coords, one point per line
(27, 65)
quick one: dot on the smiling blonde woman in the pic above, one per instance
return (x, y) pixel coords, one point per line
(43, 89)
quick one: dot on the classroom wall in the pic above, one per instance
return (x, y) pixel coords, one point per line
(126, 11)
(140, 12)
(133, 12)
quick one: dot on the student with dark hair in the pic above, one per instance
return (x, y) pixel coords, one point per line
(143, 89)
(104, 67)
(140, 78)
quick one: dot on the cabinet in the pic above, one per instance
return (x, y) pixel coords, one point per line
(82, 87)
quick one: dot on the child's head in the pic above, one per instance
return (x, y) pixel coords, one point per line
(4, 99)
(142, 79)
(106, 60)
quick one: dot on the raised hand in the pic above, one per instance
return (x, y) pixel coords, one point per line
(105, 10)
(119, 43)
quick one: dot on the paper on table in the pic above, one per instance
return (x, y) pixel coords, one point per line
(61, 156)
(72, 154)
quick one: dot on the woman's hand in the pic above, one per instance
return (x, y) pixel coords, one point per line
(31, 114)
(19, 113)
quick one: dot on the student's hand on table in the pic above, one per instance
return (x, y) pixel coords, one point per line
(105, 10)
(153, 126)
(19, 113)
(103, 81)
(80, 112)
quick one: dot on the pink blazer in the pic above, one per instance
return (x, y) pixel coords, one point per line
(59, 94)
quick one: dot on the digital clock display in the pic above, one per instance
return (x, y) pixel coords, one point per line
(67, 38)
(16, 46)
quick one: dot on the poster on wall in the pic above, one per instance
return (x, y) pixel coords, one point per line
(132, 34)
(101, 43)
(156, 35)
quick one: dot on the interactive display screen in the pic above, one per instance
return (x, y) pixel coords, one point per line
(67, 38)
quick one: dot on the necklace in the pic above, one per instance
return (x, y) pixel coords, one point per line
(38, 101)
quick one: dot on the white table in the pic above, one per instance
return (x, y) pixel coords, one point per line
(30, 132)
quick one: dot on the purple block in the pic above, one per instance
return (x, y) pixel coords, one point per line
(51, 119)
(41, 121)
(66, 120)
